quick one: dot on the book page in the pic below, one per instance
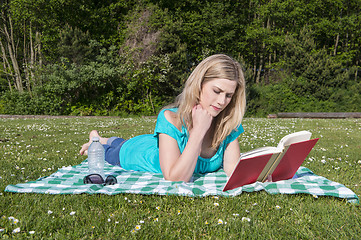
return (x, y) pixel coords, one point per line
(294, 138)
(258, 152)
(263, 176)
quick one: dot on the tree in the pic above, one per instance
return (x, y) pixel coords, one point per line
(9, 51)
(74, 45)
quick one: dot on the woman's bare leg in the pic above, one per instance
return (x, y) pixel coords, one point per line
(93, 133)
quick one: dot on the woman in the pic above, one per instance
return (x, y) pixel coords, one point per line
(197, 134)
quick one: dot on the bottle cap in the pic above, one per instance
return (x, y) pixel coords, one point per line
(95, 139)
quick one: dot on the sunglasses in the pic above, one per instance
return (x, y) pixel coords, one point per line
(98, 179)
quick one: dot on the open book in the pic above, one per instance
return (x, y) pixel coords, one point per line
(281, 162)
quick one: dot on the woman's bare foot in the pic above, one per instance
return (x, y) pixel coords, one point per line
(84, 148)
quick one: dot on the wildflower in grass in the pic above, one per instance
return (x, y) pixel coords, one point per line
(31, 232)
(235, 214)
(254, 204)
(141, 221)
(278, 207)
(16, 230)
(158, 208)
(246, 219)
(206, 223)
(220, 221)
(215, 197)
(93, 227)
(137, 227)
(72, 213)
(13, 220)
(156, 219)
(216, 204)
(109, 220)
(50, 212)
(315, 196)
(179, 212)
(2, 229)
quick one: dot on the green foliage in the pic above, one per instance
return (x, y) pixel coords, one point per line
(86, 84)
(310, 81)
(103, 20)
(23, 103)
(203, 28)
(74, 45)
(110, 85)
(291, 95)
(119, 57)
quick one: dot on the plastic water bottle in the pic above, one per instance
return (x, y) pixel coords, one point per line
(96, 157)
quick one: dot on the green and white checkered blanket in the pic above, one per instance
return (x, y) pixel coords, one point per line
(69, 180)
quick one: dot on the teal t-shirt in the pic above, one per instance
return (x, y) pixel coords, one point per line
(141, 153)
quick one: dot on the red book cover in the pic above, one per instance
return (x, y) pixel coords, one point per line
(292, 160)
(247, 171)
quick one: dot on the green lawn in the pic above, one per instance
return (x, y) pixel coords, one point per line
(32, 148)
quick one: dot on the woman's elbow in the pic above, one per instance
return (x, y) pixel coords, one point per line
(173, 178)
(228, 170)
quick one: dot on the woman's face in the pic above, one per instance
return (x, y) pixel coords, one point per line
(216, 95)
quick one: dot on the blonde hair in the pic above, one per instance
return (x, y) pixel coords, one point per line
(214, 67)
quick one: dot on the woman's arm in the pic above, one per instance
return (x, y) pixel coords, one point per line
(180, 167)
(176, 166)
(231, 157)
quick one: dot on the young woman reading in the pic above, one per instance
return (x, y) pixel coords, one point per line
(196, 134)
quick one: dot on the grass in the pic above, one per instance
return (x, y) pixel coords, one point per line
(32, 148)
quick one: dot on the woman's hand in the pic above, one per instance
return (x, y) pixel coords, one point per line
(202, 120)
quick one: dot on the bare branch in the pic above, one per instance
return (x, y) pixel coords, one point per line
(6, 66)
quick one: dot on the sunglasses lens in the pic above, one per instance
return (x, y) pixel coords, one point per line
(93, 179)
(110, 180)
